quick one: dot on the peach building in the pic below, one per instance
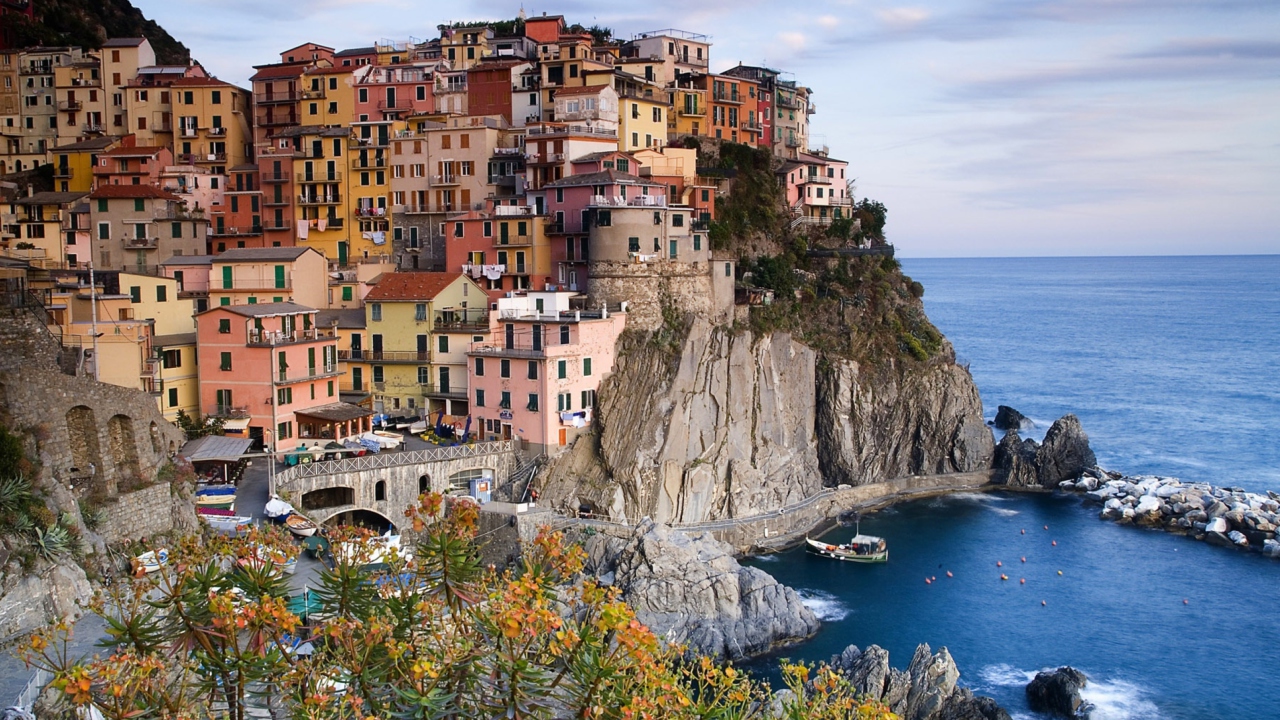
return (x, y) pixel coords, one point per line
(270, 275)
(272, 374)
(536, 379)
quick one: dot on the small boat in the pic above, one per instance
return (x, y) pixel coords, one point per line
(225, 502)
(388, 439)
(216, 490)
(277, 509)
(149, 562)
(862, 548)
(227, 523)
(300, 526)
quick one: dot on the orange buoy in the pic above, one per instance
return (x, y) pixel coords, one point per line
(1004, 577)
(999, 564)
(927, 581)
(1022, 581)
(949, 574)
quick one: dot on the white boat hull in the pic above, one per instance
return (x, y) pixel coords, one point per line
(837, 552)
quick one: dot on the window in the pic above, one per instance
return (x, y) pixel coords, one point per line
(173, 397)
(161, 293)
(479, 398)
(533, 402)
(420, 312)
(284, 396)
(225, 363)
(728, 270)
(633, 244)
(697, 243)
(562, 369)
(424, 376)
(135, 294)
(479, 367)
(380, 490)
(504, 368)
(564, 402)
(377, 373)
(224, 326)
(102, 205)
(330, 388)
(671, 250)
(588, 399)
(604, 218)
(139, 205)
(533, 370)
(505, 401)
(375, 312)
(284, 430)
(677, 220)
(346, 293)
(564, 334)
(442, 343)
(171, 359)
(586, 367)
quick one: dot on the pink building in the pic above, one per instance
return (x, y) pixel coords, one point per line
(816, 187)
(393, 92)
(272, 374)
(192, 273)
(132, 166)
(537, 379)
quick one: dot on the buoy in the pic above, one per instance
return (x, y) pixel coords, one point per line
(1059, 572)
(1022, 581)
(1046, 527)
(1043, 603)
(949, 574)
(999, 564)
(1024, 531)
(1004, 577)
(1024, 559)
(1055, 543)
(935, 577)
(927, 581)
(1184, 602)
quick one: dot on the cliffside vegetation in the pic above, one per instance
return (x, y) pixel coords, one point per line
(857, 307)
(29, 530)
(437, 636)
(88, 23)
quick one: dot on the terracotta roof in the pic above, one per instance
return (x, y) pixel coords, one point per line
(132, 191)
(124, 42)
(263, 309)
(136, 151)
(410, 286)
(335, 70)
(584, 90)
(50, 198)
(90, 144)
(283, 70)
(318, 46)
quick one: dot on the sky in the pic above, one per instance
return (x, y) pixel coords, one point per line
(988, 128)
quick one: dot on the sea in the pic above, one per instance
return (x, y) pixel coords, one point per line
(1171, 365)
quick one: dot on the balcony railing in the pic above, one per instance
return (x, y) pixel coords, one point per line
(140, 243)
(369, 162)
(70, 105)
(500, 349)
(193, 158)
(271, 337)
(62, 172)
(637, 201)
(92, 128)
(514, 241)
(332, 199)
(447, 179)
(357, 143)
(398, 356)
(230, 411)
(325, 176)
(187, 131)
(36, 69)
(317, 94)
(575, 129)
(818, 180)
(217, 132)
(415, 209)
(725, 97)
(362, 211)
(274, 120)
(275, 177)
(272, 225)
(276, 97)
(546, 158)
(236, 231)
(302, 375)
(451, 392)
(270, 201)
(178, 214)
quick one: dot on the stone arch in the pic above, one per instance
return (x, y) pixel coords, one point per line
(328, 497)
(157, 444)
(3, 168)
(362, 517)
(461, 480)
(424, 484)
(380, 491)
(124, 447)
(173, 448)
(82, 436)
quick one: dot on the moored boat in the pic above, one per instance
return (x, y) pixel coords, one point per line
(861, 548)
(149, 562)
(227, 523)
(221, 501)
(300, 526)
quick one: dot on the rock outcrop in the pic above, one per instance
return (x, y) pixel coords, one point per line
(732, 425)
(28, 601)
(1064, 455)
(1057, 693)
(926, 690)
(690, 590)
(1009, 419)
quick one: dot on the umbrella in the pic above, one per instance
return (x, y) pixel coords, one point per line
(439, 420)
(466, 432)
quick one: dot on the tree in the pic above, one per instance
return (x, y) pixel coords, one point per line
(873, 214)
(195, 427)
(432, 634)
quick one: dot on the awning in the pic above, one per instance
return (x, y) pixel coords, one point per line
(334, 412)
(236, 424)
(216, 447)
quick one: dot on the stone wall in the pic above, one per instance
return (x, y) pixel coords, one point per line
(687, 287)
(139, 514)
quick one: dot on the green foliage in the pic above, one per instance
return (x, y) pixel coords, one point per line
(754, 207)
(197, 427)
(52, 542)
(13, 459)
(88, 23)
(873, 214)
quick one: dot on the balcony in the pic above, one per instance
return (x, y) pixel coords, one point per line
(546, 159)
(273, 225)
(398, 356)
(415, 209)
(188, 131)
(444, 179)
(397, 105)
(357, 143)
(514, 241)
(313, 94)
(275, 97)
(178, 214)
(92, 129)
(194, 158)
(276, 202)
(693, 111)
(236, 231)
(362, 212)
(332, 199)
(449, 322)
(554, 228)
(571, 129)
(451, 87)
(285, 377)
(273, 120)
(217, 132)
(270, 338)
(61, 172)
(818, 180)
(449, 392)
(230, 411)
(275, 177)
(319, 177)
(140, 243)
(503, 180)
(357, 355)
(656, 201)
(792, 142)
(518, 350)
(36, 69)
(70, 105)
(367, 162)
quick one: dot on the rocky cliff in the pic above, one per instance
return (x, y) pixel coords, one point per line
(926, 690)
(690, 590)
(719, 423)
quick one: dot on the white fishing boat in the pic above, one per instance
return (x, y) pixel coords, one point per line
(227, 523)
(372, 551)
(300, 526)
(861, 548)
(149, 562)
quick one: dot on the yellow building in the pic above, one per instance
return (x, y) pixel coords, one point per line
(73, 164)
(41, 225)
(82, 101)
(688, 114)
(122, 58)
(320, 206)
(643, 108)
(369, 181)
(328, 96)
(211, 124)
(348, 325)
(145, 335)
(414, 366)
(463, 47)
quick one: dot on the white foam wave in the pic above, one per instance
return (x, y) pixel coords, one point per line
(766, 558)
(990, 502)
(1003, 675)
(1118, 700)
(827, 607)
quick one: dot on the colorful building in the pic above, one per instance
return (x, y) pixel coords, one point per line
(536, 378)
(816, 188)
(269, 275)
(41, 226)
(139, 226)
(74, 164)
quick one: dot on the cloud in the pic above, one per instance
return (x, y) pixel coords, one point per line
(903, 17)
(829, 21)
(794, 41)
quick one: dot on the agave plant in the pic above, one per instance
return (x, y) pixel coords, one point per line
(52, 542)
(15, 494)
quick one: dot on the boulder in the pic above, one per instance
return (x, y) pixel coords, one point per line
(1014, 463)
(1065, 454)
(1216, 525)
(926, 690)
(1238, 538)
(1057, 692)
(964, 705)
(689, 589)
(1009, 419)
(1271, 548)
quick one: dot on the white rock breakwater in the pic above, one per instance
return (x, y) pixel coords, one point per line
(1225, 516)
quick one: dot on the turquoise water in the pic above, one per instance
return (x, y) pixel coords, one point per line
(1169, 362)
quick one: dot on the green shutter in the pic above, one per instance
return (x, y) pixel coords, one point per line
(139, 204)
(224, 301)
(346, 293)
(177, 230)
(135, 294)
(279, 277)
(226, 277)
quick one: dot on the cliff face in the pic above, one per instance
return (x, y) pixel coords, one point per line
(735, 425)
